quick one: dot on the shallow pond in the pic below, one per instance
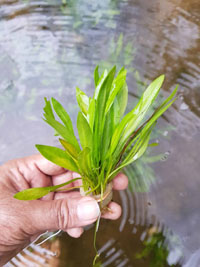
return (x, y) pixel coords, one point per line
(47, 49)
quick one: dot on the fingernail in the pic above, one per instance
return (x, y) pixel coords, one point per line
(88, 209)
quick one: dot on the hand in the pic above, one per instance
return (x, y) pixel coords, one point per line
(22, 221)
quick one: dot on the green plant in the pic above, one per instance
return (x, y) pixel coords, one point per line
(109, 141)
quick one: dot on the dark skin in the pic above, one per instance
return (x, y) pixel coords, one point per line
(21, 222)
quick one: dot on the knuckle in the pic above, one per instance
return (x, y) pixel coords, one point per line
(62, 215)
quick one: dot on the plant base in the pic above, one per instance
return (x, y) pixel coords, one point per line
(105, 200)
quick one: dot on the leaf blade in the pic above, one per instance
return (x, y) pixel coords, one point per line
(135, 116)
(84, 131)
(69, 148)
(82, 100)
(38, 192)
(58, 156)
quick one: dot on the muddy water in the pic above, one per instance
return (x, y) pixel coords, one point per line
(48, 48)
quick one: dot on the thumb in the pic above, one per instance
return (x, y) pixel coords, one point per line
(63, 213)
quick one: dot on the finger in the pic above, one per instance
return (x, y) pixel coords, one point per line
(114, 211)
(120, 182)
(75, 232)
(62, 213)
(65, 177)
(39, 179)
(67, 195)
(44, 165)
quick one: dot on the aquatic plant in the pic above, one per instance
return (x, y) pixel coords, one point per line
(109, 141)
(157, 248)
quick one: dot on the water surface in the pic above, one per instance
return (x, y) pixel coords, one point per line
(47, 49)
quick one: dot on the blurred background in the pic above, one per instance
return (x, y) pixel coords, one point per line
(47, 48)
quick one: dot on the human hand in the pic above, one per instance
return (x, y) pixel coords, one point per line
(22, 221)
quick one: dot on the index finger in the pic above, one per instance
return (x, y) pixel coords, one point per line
(44, 165)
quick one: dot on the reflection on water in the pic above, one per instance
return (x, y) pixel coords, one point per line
(48, 48)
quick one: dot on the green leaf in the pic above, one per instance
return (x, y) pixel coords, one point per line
(140, 146)
(96, 75)
(32, 193)
(48, 109)
(153, 144)
(58, 156)
(99, 84)
(91, 113)
(136, 152)
(107, 133)
(99, 119)
(38, 192)
(122, 98)
(131, 121)
(117, 85)
(83, 100)
(62, 131)
(84, 131)
(63, 115)
(143, 105)
(69, 148)
(84, 162)
(158, 113)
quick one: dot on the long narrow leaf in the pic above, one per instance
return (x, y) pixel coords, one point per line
(63, 115)
(96, 75)
(83, 100)
(117, 85)
(62, 131)
(58, 156)
(91, 113)
(100, 112)
(134, 117)
(99, 84)
(48, 109)
(84, 131)
(134, 155)
(84, 162)
(38, 192)
(69, 148)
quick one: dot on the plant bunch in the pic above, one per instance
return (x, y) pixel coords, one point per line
(109, 141)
